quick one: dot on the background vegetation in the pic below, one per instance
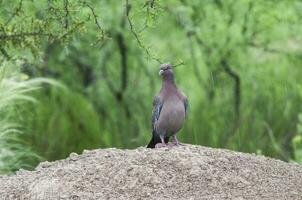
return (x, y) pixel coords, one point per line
(239, 62)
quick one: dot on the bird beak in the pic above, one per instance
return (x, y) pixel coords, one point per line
(161, 72)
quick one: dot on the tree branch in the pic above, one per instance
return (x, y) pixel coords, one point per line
(128, 8)
(246, 18)
(5, 54)
(105, 73)
(66, 14)
(237, 91)
(96, 21)
(17, 10)
(269, 50)
(22, 35)
(194, 62)
(124, 68)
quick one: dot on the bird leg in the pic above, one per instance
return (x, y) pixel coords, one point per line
(175, 141)
(162, 144)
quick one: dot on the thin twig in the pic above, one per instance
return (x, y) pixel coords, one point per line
(5, 54)
(71, 30)
(179, 64)
(96, 21)
(17, 10)
(265, 48)
(124, 67)
(237, 87)
(128, 8)
(194, 61)
(66, 13)
(21, 35)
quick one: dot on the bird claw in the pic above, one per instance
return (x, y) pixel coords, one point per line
(160, 145)
(173, 144)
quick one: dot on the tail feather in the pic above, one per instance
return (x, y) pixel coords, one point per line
(155, 139)
(153, 142)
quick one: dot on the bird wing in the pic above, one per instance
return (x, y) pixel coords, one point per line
(157, 106)
(186, 104)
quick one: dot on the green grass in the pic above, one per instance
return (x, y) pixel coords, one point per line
(15, 153)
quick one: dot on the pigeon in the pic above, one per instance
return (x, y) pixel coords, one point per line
(170, 109)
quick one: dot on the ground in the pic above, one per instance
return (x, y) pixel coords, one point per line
(187, 172)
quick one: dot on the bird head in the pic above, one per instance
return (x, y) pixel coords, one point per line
(165, 70)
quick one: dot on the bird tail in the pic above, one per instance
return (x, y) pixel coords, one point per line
(155, 139)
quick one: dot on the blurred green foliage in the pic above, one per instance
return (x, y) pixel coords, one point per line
(241, 73)
(297, 143)
(15, 153)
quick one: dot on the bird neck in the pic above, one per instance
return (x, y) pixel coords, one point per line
(168, 82)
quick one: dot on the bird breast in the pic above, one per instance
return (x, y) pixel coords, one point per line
(171, 117)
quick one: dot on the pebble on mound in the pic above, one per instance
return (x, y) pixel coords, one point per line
(187, 172)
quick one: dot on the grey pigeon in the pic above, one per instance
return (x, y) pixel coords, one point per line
(169, 110)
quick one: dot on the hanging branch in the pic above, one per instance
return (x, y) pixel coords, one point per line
(140, 43)
(225, 66)
(22, 35)
(70, 31)
(237, 91)
(4, 53)
(66, 13)
(136, 36)
(247, 18)
(17, 10)
(149, 2)
(179, 64)
(194, 61)
(124, 73)
(105, 75)
(118, 93)
(96, 21)
(124, 68)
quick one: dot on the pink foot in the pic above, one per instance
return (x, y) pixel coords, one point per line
(175, 144)
(175, 141)
(160, 145)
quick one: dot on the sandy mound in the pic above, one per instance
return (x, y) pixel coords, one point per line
(189, 172)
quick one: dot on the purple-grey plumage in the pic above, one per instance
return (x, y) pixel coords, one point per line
(169, 110)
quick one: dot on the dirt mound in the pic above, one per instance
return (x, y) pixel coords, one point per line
(188, 172)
